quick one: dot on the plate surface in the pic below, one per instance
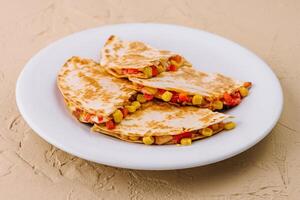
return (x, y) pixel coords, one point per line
(42, 106)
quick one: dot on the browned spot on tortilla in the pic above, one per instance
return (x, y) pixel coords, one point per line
(110, 39)
(96, 72)
(137, 46)
(89, 94)
(75, 59)
(89, 80)
(66, 72)
(117, 46)
(133, 57)
(206, 119)
(84, 61)
(157, 125)
(164, 52)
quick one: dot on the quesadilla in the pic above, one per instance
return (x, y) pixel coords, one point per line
(137, 59)
(163, 123)
(94, 96)
(187, 86)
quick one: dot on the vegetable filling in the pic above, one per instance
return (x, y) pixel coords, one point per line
(172, 64)
(110, 122)
(228, 100)
(184, 138)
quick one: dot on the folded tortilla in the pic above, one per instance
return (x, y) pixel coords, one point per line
(216, 91)
(91, 94)
(165, 123)
(137, 59)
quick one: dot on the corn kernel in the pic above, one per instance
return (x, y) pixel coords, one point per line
(141, 98)
(207, 132)
(134, 138)
(69, 104)
(148, 71)
(131, 108)
(243, 91)
(160, 68)
(148, 140)
(118, 116)
(197, 99)
(186, 141)
(81, 117)
(149, 90)
(136, 104)
(229, 125)
(215, 127)
(218, 105)
(167, 96)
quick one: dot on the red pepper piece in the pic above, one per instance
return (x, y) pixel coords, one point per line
(125, 71)
(172, 68)
(148, 97)
(154, 71)
(232, 100)
(110, 124)
(130, 71)
(77, 113)
(125, 112)
(161, 91)
(183, 97)
(175, 97)
(87, 117)
(227, 98)
(100, 118)
(247, 84)
(176, 58)
(178, 137)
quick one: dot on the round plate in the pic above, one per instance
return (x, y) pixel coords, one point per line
(41, 104)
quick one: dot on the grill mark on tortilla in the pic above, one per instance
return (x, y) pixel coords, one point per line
(164, 52)
(89, 94)
(154, 125)
(137, 46)
(89, 80)
(117, 47)
(207, 118)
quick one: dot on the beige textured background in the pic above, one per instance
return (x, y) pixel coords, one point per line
(32, 169)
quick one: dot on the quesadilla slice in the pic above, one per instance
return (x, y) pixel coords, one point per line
(187, 86)
(163, 123)
(137, 59)
(94, 96)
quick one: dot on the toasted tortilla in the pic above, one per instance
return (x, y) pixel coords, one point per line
(190, 81)
(163, 119)
(86, 86)
(117, 55)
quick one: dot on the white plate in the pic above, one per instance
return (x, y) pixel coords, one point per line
(41, 104)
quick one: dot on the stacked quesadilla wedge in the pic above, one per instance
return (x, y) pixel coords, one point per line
(94, 96)
(137, 59)
(187, 86)
(163, 123)
(163, 100)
